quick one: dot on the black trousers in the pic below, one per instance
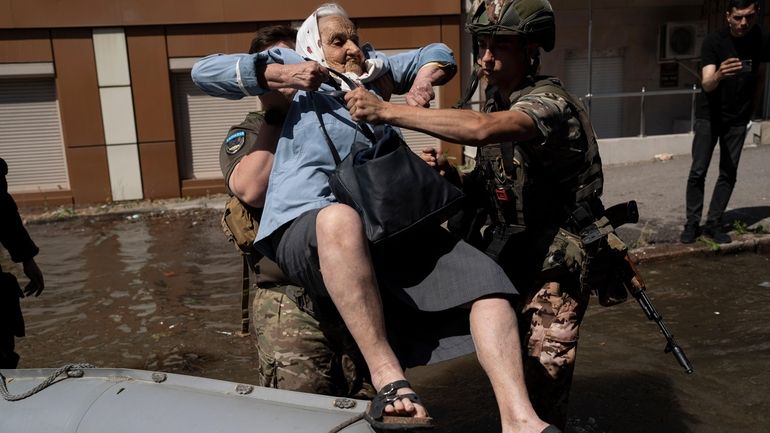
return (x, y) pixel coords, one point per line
(731, 140)
(11, 320)
(9, 359)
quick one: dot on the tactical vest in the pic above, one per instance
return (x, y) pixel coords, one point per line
(536, 185)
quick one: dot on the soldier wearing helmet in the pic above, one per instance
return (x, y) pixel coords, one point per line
(538, 178)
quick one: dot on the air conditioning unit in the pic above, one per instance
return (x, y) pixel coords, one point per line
(681, 40)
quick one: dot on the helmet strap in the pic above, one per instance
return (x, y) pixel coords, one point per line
(534, 60)
(473, 84)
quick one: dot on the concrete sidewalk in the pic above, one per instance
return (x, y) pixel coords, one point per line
(657, 186)
(659, 189)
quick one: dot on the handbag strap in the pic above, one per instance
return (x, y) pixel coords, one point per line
(329, 142)
(352, 85)
(365, 129)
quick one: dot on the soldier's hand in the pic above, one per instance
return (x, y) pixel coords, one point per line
(364, 105)
(429, 156)
(36, 283)
(438, 161)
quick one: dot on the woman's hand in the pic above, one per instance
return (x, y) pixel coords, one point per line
(302, 76)
(421, 92)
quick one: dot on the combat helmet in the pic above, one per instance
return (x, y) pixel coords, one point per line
(532, 19)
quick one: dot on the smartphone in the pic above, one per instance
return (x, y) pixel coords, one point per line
(746, 65)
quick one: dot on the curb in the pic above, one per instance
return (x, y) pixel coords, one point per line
(747, 243)
(753, 243)
(155, 207)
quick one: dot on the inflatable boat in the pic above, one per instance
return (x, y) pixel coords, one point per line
(79, 399)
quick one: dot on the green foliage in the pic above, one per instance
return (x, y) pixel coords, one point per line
(713, 246)
(645, 237)
(65, 212)
(740, 227)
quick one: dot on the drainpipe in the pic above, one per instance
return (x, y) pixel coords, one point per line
(642, 131)
(692, 109)
(766, 96)
(590, 56)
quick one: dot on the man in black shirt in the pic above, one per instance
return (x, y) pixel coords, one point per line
(730, 60)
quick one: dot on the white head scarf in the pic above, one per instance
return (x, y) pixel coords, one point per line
(309, 45)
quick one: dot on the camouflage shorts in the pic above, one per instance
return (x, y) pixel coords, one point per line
(298, 353)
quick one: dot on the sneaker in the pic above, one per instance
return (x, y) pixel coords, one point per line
(717, 235)
(689, 234)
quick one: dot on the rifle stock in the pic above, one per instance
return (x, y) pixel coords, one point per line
(635, 285)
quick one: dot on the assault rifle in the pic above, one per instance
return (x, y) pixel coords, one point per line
(635, 285)
(614, 217)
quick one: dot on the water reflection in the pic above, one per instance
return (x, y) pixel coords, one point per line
(156, 292)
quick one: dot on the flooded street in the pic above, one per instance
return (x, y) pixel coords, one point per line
(162, 292)
(149, 292)
(717, 309)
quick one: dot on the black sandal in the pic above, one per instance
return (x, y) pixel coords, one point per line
(387, 395)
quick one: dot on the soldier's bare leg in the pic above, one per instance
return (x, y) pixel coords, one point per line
(347, 272)
(495, 333)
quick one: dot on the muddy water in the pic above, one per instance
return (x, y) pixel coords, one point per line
(158, 293)
(162, 293)
(716, 307)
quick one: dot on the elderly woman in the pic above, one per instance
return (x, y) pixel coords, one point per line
(320, 243)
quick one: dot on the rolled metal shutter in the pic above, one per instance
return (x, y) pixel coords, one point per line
(202, 123)
(31, 136)
(606, 114)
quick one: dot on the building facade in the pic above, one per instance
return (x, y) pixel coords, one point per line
(96, 100)
(97, 104)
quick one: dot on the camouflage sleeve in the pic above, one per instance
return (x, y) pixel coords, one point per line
(552, 114)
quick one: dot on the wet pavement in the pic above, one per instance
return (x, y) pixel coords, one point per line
(161, 291)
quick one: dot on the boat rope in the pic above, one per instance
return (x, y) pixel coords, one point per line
(71, 370)
(347, 423)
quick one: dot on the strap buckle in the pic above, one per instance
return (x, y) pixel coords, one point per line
(501, 194)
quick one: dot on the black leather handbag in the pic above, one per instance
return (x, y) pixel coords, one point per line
(393, 189)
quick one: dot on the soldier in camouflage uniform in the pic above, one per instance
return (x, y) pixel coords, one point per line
(538, 179)
(298, 351)
(301, 347)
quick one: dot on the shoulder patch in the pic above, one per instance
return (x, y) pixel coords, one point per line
(234, 142)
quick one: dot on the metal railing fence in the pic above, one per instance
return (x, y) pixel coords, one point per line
(642, 95)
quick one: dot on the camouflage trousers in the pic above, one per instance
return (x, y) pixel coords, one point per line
(549, 321)
(299, 353)
(553, 315)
